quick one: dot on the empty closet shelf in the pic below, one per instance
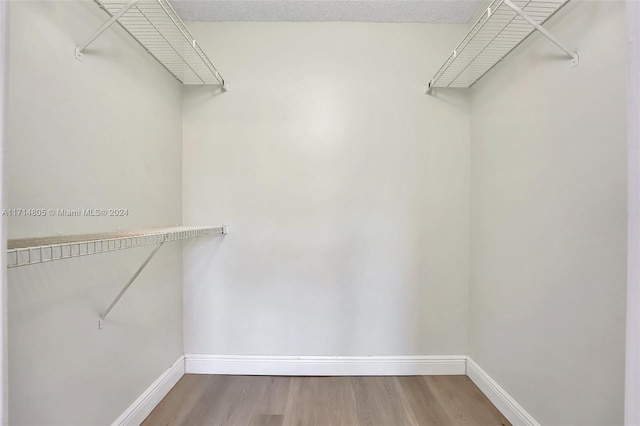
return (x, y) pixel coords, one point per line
(500, 29)
(30, 251)
(158, 28)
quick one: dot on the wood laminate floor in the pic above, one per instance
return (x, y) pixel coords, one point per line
(325, 401)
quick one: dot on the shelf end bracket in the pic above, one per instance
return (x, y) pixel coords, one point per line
(575, 59)
(428, 89)
(81, 47)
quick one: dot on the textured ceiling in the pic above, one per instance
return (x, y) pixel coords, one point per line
(424, 11)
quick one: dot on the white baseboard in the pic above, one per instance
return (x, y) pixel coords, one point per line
(325, 365)
(508, 406)
(144, 405)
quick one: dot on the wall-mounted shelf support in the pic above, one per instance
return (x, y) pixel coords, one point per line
(80, 48)
(32, 251)
(572, 55)
(126, 287)
(500, 29)
(160, 31)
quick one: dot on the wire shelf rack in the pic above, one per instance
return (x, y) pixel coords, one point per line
(31, 251)
(500, 29)
(159, 29)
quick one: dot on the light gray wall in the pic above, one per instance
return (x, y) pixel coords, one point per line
(101, 133)
(548, 220)
(347, 192)
(345, 188)
(4, 335)
(632, 380)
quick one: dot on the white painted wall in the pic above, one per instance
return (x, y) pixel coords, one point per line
(105, 132)
(345, 188)
(632, 380)
(347, 192)
(3, 234)
(549, 220)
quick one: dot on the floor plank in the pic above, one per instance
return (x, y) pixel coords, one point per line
(179, 402)
(320, 401)
(379, 402)
(423, 402)
(271, 401)
(325, 401)
(463, 402)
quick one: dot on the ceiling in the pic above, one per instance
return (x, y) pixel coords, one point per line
(400, 11)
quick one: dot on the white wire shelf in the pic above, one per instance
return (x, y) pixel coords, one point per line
(31, 251)
(159, 29)
(501, 28)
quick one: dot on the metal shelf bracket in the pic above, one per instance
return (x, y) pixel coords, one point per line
(34, 251)
(575, 59)
(502, 27)
(86, 247)
(429, 88)
(80, 49)
(156, 26)
(128, 284)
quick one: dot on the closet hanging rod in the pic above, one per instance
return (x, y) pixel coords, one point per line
(500, 29)
(156, 26)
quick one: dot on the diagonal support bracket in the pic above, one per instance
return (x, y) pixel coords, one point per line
(573, 55)
(80, 48)
(126, 287)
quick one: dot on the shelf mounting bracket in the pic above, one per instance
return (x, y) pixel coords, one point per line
(80, 48)
(429, 87)
(126, 287)
(573, 55)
